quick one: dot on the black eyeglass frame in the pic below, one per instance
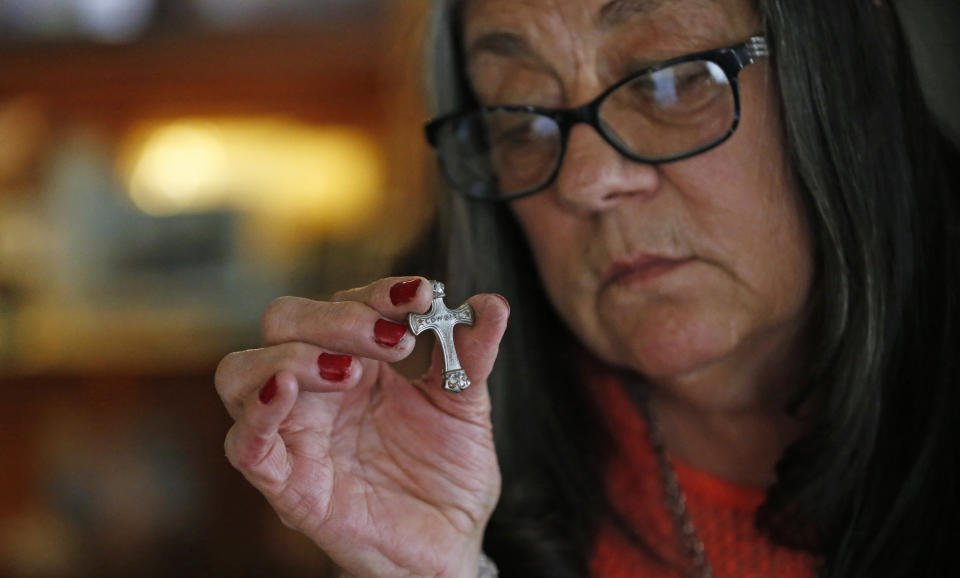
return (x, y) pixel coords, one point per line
(731, 60)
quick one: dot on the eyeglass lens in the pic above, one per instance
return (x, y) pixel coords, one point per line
(654, 117)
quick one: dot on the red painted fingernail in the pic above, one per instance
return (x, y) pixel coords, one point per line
(404, 292)
(334, 367)
(388, 333)
(268, 391)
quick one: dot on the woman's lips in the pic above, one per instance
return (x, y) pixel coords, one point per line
(641, 269)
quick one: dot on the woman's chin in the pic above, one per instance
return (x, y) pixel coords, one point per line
(676, 351)
(720, 365)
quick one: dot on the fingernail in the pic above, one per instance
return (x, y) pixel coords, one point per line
(388, 333)
(505, 302)
(404, 292)
(268, 391)
(334, 367)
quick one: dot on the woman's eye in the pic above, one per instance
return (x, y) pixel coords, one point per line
(511, 135)
(644, 87)
(684, 87)
(691, 79)
(529, 128)
(695, 83)
(658, 88)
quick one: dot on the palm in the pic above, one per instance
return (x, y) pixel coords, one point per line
(362, 467)
(389, 477)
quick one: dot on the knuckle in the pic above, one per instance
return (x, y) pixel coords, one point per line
(221, 377)
(273, 324)
(351, 316)
(342, 295)
(230, 448)
(243, 461)
(351, 294)
(242, 450)
(296, 353)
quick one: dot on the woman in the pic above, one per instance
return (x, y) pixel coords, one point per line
(727, 235)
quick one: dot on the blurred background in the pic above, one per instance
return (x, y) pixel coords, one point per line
(167, 168)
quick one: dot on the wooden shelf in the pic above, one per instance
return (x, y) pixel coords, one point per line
(314, 72)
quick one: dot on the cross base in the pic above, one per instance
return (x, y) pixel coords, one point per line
(455, 381)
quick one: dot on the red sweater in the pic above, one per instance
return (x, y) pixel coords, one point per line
(722, 512)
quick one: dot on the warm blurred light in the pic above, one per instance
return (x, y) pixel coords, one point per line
(181, 167)
(331, 177)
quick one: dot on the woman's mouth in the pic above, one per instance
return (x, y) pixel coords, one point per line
(642, 269)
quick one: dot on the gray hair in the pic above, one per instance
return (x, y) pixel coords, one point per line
(876, 180)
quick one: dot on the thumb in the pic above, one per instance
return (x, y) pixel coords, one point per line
(476, 345)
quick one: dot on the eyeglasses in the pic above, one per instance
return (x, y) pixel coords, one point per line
(671, 111)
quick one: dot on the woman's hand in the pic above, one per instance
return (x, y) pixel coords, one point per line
(390, 477)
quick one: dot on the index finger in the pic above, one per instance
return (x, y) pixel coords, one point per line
(392, 297)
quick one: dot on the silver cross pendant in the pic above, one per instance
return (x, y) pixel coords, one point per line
(441, 321)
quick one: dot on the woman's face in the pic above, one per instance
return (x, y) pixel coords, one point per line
(673, 270)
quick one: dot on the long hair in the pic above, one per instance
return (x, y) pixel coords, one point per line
(872, 488)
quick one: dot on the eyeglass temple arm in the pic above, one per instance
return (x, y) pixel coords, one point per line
(756, 48)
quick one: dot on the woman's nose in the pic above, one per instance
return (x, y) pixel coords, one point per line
(595, 177)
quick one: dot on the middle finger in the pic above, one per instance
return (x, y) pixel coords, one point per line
(349, 327)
